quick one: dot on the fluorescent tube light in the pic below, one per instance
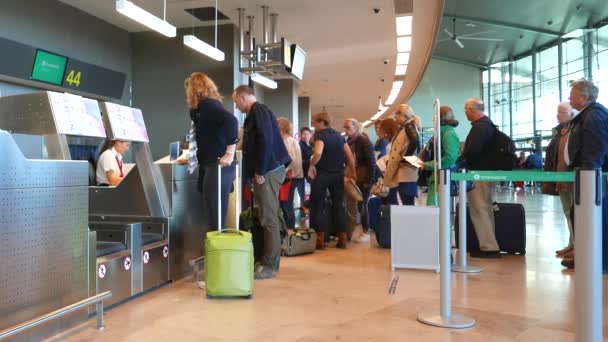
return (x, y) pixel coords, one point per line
(204, 48)
(365, 123)
(392, 96)
(404, 25)
(143, 17)
(404, 44)
(403, 58)
(400, 70)
(381, 111)
(265, 81)
(397, 84)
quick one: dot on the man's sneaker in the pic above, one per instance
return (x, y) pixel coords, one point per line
(263, 272)
(484, 254)
(361, 238)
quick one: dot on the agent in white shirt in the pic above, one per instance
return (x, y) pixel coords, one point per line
(110, 169)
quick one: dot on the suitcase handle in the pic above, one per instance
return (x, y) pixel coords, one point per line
(304, 234)
(228, 230)
(219, 196)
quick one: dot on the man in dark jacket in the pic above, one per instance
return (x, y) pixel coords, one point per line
(587, 146)
(264, 158)
(475, 156)
(365, 162)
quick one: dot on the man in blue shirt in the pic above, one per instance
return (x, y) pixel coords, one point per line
(264, 158)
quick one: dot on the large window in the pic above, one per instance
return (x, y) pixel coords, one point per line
(547, 89)
(600, 64)
(573, 64)
(499, 97)
(523, 104)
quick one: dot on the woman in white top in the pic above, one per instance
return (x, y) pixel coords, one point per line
(294, 170)
(109, 166)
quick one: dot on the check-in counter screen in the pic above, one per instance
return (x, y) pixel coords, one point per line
(75, 115)
(127, 123)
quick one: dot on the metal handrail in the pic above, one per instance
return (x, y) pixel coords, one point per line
(98, 300)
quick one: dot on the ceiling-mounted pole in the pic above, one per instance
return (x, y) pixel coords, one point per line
(250, 41)
(165, 10)
(241, 32)
(216, 24)
(264, 24)
(273, 27)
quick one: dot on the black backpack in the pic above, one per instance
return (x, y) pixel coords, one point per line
(503, 155)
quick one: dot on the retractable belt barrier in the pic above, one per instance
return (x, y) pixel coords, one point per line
(588, 244)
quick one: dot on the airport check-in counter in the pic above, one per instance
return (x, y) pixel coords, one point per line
(43, 232)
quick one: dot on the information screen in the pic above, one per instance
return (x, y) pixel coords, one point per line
(298, 61)
(127, 123)
(49, 67)
(75, 115)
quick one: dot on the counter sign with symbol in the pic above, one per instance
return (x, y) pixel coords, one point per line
(146, 257)
(166, 251)
(127, 263)
(101, 271)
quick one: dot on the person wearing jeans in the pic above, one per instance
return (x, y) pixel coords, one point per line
(264, 157)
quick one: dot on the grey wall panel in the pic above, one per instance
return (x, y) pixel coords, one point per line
(60, 28)
(284, 100)
(160, 66)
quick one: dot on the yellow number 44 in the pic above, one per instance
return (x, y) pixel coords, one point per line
(73, 78)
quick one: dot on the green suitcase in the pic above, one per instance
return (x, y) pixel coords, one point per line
(228, 258)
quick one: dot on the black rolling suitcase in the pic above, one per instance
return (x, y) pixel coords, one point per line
(510, 223)
(383, 227)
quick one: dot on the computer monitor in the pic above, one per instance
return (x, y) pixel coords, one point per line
(174, 151)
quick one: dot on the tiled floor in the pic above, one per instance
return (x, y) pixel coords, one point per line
(342, 295)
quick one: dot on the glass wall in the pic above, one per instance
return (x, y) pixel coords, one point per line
(547, 88)
(523, 93)
(536, 81)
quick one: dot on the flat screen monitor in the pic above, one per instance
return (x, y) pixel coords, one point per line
(75, 115)
(298, 59)
(49, 67)
(174, 151)
(126, 123)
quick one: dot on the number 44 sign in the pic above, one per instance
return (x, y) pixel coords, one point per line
(73, 78)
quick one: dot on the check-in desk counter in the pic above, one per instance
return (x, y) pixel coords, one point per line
(43, 238)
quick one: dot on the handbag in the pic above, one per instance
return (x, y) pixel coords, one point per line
(352, 190)
(425, 155)
(379, 189)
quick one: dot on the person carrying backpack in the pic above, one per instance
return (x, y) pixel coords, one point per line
(486, 148)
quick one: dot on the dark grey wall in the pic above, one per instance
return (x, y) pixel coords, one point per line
(304, 111)
(284, 100)
(160, 66)
(57, 27)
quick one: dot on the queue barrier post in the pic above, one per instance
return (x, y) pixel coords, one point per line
(462, 266)
(588, 257)
(445, 318)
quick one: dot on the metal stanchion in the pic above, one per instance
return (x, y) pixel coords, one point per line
(462, 266)
(445, 318)
(588, 256)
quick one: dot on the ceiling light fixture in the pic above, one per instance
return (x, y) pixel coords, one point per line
(404, 44)
(204, 48)
(400, 70)
(146, 18)
(397, 84)
(392, 96)
(404, 25)
(211, 51)
(263, 80)
(403, 58)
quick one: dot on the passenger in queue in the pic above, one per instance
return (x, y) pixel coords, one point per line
(306, 148)
(400, 176)
(265, 158)
(110, 171)
(382, 142)
(365, 164)
(294, 169)
(555, 162)
(476, 156)
(326, 171)
(216, 136)
(450, 148)
(587, 147)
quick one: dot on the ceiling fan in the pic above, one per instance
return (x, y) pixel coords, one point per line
(457, 38)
